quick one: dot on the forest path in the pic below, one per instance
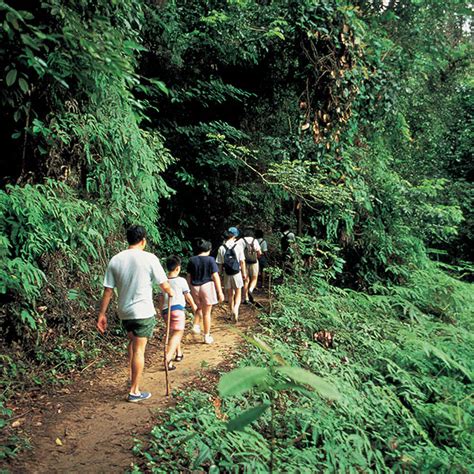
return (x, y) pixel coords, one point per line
(94, 422)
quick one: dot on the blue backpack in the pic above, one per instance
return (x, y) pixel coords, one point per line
(231, 264)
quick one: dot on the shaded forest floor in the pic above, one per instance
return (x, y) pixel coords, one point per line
(89, 427)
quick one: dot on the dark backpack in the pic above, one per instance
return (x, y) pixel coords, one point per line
(231, 264)
(250, 252)
(285, 242)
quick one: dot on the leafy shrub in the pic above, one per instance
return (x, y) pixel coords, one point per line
(405, 385)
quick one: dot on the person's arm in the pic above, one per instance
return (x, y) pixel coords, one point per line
(220, 262)
(189, 279)
(104, 304)
(161, 301)
(217, 281)
(257, 247)
(243, 269)
(165, 286)
(190, 300)
(159, 276)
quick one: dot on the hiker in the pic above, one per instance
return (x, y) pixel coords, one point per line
(252, 253)
(287, 238)
(231, 260)
(133, 272)
(182, 294)
(203, 278)
(263, 259)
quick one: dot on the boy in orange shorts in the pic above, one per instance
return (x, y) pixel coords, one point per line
(182, 294)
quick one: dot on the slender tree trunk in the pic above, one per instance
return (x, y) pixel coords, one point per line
(300, 216)
(25, 142)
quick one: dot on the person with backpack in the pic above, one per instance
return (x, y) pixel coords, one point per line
(287, 238)
(203, 278)
(252, 252)
(231, 261)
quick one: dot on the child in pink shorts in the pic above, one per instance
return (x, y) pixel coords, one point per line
(203, 277)
(178, 303)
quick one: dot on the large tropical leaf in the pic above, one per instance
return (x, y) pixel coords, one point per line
(305, 377)
(241, 380)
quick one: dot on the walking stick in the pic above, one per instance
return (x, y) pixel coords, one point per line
(167, 336)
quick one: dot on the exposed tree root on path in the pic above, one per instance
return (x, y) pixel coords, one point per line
(91, 428)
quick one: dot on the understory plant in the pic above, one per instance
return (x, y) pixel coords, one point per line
(404, 370)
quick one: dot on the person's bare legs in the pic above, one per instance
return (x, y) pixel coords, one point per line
(179, 350)
(206, 318)
(253, 283)
(130, 354)
(173, 344)
(138, 362)
(246, 289)
(237, 300)
(230, 297)
(197, 317)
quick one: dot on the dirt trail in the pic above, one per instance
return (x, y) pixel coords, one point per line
(96, 425)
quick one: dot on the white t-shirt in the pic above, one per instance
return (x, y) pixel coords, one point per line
(250, 240)
(263, 245)
(133, 273)
(289, 236)
(180, 288)
(239, 252)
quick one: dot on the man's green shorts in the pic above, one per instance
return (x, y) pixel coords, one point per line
(140, 327)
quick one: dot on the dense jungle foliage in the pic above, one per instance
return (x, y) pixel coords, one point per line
(404, 376)
(351, 121)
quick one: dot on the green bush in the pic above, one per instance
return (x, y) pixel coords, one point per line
(404, 373)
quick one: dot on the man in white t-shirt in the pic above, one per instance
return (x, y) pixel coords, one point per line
(231, 261)
(252, 252)
(133, 272)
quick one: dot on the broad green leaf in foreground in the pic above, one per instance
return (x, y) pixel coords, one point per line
(305, 377)
(240, 380)
(247, 417)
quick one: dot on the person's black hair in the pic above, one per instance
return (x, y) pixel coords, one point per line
(135, 234)
(203, 245)
(227, 235)
(172, 263)
(259, 234)
(285, 227)
(249, 232)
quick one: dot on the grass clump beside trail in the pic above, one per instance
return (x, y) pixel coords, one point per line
(402, 360)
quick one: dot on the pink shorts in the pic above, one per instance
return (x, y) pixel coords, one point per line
(177, 321)
(204, 295)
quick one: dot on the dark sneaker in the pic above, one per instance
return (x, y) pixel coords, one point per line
(251, 297)
(138, 398)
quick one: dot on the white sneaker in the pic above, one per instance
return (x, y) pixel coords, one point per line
(208, 339)
(196, 329)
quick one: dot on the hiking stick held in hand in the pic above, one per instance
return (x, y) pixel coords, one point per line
(167, 336)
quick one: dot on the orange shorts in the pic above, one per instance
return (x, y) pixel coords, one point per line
(204, 295)
(177, 320)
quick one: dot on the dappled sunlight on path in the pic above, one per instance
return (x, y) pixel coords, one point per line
(93, 430)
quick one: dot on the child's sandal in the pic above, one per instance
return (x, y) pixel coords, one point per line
(171, 366)
(179, 358)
